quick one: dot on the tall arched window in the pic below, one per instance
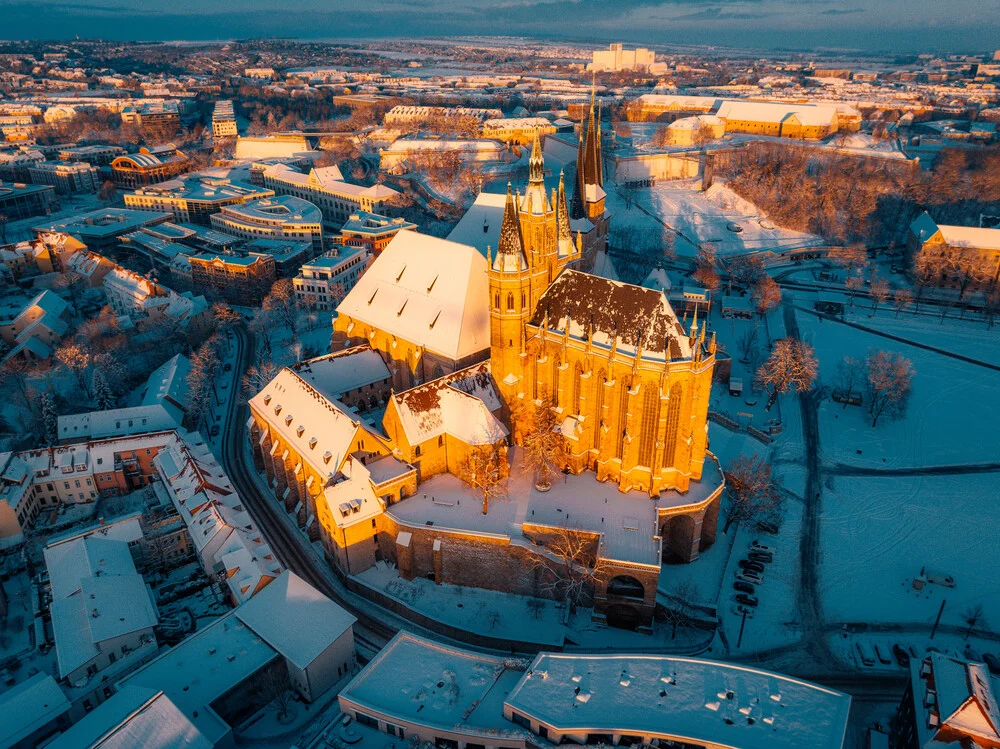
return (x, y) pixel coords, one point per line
(650, 419)
(673, 424)
(574, 403)
(600, 386)
(554, 381)
(496, 300)
(622, 417)
(534, 379)
(524, 301)
(510, 302)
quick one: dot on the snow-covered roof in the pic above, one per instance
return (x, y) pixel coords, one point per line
(428, 291)
(319, 427)
(686, 699)
(971, 237)
(460, 404)
(962, 696)
(117, 422)
(28, 706)
(436, 685)
(132, 717)
(168, 382)
(338, 373)
(480, 225)
(295, 619)
(69, 562)
(630, 313)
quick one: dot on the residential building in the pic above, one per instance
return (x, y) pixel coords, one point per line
(405, 154)
(95, 155)
(518, 130)
(238, 278)
(371, 231)
(117, 422)
(959, 257)
(273, 146)
(290, 630)
(948, 702)
(157, 117)
(224, 120)
(34, 711)
(33, 330)
(325, 188)
(66, 177)
(15, 165)
(194, 198)
(144, 301)
(149, 166)
(18, 504)
(19, 201)
(282, 217)
(408, 114)
(324, 282)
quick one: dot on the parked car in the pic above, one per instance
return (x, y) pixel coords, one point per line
(228, 367)
(865, 652)
(751, 566)
(215, 430)
(749, 577)
(901, 656)
(992, 663)
(880, 653)
(758, 546)
(760, 556)
(747, 600)
(743, 587)
(766, 526)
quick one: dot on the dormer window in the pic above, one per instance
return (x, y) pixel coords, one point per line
(326, 456)
(277, 409)
(288, 420)
(267, 399)
(300, 430)
(312, 442)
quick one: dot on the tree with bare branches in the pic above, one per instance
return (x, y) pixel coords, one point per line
(766, 295)
(879, 292)
(748, 343)
(753, 493)
(76, 358)
(888, 380)
(852, 256)
(262, 326)
(850, 375)
(901, 299)
(854, 283)
(485, 470)
(973, 617)
(572, 567)
(705, 271)
(224, 316)
(542, 444)
(792, 364)
(257, 376)
(282, 302)
(681, 612)
(274, 686)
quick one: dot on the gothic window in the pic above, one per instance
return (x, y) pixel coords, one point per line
(574, 403)
(523, 301)
(650, 418)
(510, 302)
(600, 385)
(555, 380)
(673, 423)
(622, 417)
(496, 300)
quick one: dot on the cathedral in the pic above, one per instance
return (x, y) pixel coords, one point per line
(629, 384)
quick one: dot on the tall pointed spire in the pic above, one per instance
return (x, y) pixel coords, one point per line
(536, 164)
(562, 211)
(510, 248)
(579, 190)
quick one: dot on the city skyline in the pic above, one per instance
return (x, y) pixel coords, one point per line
(893, 26)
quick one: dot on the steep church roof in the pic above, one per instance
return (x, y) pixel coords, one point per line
(630, 315)
(510, 249)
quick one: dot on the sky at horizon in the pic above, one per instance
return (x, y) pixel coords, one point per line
(896, 26)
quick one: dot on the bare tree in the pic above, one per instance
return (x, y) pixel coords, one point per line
(991, 307)
(748, 343)
(274, 686)
(752, 490)
(854, 283)
(766, 295)
(853, 256)
(973, 617)
(901, 299)
(681, 612)
(201, 378)
(705, 272)
(542, 444)
(850, 375)
(792, 364)
(258, 375)
(74, 285)
(879, 292)
(262, 326)
(888, 379)
(282, 302)
(485, 470)
(747, 270)
(572, 567)
(76, 359)
(225, 317)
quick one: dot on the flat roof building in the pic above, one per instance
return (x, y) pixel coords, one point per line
(282, 217)
(67, 177)
(326, 188)
(194, 198)
(149, 166)
(371, 231)
(19, 201)
(324, 282)
(102, 229)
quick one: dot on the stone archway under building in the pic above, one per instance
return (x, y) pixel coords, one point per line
(625, 616)
(679, 542)
(626, 586)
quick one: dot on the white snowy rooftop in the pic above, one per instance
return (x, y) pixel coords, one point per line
(335, 374)
(427, 291)
(29, 706)
(480, 225)
(295, 619)
(970, 237)
(133, 717)
(686, 699)
(435, 685)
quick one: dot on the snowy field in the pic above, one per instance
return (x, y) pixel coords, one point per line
(951, 411)
(877, 534)
(704, 216)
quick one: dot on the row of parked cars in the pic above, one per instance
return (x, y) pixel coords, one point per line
(870, 653)
(751, 574)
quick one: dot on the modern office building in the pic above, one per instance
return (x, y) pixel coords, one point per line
(325, 188)
(239, 278)
(18, 200)
(102, 229)
(194, 198)
(281, 217)
(149, 166)
(372, 231)
(324, 282)
(96, 155)
(67, 177)
(156, 116)
(224, 120)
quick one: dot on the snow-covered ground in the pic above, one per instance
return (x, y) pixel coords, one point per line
(705, 216)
